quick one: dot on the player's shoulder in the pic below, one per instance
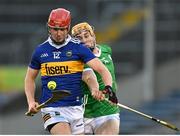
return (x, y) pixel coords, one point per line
(75, 41)
(42, 46)
(105, 48)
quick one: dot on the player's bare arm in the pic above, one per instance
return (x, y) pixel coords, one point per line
(98, 66)
(90, 79)
(30, 89)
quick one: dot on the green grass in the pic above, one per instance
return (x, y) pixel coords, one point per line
(12, 78)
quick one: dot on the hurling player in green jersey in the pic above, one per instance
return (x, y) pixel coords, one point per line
(101, 117)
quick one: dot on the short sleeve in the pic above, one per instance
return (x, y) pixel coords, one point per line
(85, 53)
(35, 63)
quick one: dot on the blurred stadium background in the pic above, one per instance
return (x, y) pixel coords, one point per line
(144, 38)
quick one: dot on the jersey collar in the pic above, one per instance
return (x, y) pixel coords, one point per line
(68, 39)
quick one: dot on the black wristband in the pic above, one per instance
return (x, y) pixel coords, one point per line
(109, 90)
(112, 96)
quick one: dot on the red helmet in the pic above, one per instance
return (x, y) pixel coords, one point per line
(59, 18)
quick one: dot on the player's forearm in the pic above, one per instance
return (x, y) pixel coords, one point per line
(92, 84)
(29, 90)
(106, 77)
(98, 66)
(90, 79)
(105, 74)
(30, 84)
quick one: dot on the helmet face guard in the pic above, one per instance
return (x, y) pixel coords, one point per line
(82, 27)
(59, 18)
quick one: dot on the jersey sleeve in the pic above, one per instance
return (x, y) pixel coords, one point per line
(35, 63)
(85, 53)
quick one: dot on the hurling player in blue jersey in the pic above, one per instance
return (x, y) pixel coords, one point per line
(61, 59)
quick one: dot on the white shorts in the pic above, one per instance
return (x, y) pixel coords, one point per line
(91, 124)
(71, 114)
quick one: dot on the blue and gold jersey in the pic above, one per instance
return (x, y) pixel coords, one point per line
(64, 65)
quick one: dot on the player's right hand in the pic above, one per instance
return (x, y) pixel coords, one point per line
(97, 94)
(32, 107)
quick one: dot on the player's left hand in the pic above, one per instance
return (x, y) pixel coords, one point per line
(112, 96)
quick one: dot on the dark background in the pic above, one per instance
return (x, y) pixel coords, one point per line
(143, 35)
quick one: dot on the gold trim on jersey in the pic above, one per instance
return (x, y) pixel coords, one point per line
(61, 68)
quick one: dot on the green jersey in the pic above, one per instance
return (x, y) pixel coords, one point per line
(95, 108)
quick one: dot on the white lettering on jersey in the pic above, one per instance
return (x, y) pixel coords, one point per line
(104, 60)
(110, 57)
(44, 55)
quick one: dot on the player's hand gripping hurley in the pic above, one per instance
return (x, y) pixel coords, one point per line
(56, 95)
